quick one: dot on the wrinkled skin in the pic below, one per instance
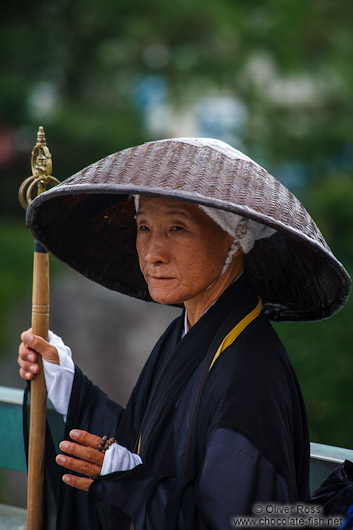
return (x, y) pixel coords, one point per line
(181, 254)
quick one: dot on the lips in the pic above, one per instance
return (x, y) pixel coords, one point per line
(160, 278)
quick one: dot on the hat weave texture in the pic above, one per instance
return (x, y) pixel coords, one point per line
(88, 222)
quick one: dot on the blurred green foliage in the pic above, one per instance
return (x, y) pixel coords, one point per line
(77, 66)
(16, 263)
(15, 266)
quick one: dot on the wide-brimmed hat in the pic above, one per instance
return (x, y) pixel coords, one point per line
(88, 222)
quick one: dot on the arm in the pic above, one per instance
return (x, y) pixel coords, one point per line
(234, 476)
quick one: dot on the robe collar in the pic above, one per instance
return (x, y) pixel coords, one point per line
(181, 356)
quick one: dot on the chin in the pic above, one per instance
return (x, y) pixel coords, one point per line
(165, 299)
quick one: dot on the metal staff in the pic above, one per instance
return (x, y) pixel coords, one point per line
(41, 177)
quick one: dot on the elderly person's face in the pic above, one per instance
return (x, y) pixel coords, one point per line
(182, 252)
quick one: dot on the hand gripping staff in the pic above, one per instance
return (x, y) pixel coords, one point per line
(41, 177)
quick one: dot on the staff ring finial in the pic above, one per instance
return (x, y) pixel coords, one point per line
(41, 164)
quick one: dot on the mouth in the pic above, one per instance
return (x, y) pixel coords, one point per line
(160, 278)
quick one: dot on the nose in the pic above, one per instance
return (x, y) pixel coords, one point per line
(155, 250)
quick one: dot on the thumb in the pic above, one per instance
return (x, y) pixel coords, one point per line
(41, 346)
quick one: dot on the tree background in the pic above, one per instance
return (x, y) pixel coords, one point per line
(272, 78)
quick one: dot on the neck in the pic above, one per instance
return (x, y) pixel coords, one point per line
(197, 306)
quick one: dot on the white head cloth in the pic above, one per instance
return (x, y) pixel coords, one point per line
(243, 230)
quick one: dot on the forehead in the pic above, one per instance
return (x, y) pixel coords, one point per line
(161, 206)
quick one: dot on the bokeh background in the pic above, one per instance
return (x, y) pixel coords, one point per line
(274, 79)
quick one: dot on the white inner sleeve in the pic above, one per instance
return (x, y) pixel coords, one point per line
(118, 458)
(59, 378)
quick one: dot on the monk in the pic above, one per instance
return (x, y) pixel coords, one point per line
(216, 423)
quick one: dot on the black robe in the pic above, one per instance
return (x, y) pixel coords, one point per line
(249, 443)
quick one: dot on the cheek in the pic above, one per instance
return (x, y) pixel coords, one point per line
(142, 265)
(200, 265)
(139, 250)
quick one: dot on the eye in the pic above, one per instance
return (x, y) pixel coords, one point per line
(176, 228)
(142, 228)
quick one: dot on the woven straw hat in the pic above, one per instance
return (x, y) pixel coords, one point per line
(88, 222)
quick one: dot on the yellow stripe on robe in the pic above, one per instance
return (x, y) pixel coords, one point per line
(235, 332)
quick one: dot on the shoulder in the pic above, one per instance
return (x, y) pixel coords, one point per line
(257, 390)
(255, 360)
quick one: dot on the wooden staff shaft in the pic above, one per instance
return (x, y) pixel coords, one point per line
(37, 425)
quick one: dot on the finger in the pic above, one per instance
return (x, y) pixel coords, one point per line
(30, 359)
(85, 438)
(27, 337)
(38, 344)
(28, 367)
(27, 362)
(83, 452)
(80, 466)
(77, 482)
(26, 375)
(27, 354)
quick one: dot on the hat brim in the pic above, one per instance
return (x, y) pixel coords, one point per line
(88, 223)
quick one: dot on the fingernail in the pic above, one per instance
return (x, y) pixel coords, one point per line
(64, 445)
(67, 479)
(28, 337)
(60, 459)
(28, 375)
(33, 369)
(31, 358)
(74, 434)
